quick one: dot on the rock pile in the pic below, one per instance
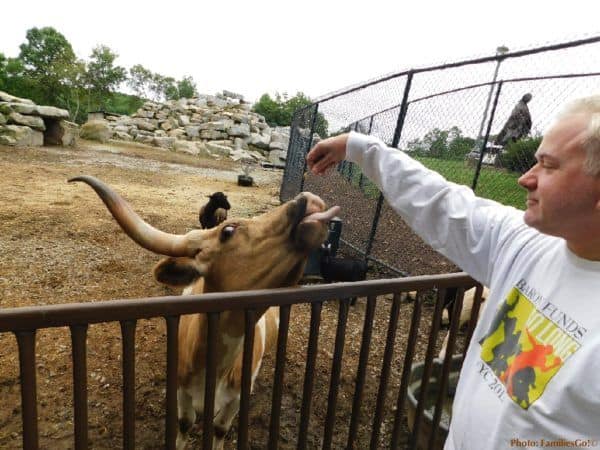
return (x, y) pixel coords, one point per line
(23, 123)
(221, 125)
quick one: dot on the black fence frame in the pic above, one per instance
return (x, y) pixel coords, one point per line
(305, 119)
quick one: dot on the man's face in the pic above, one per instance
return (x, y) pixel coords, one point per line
(563, 200)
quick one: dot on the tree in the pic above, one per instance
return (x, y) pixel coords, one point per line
(163, 88)
(186, 87)
(73, 93)
(50, 64)
(11, 76)
(3, 73)
(280, 111)
(102, 76)
(120, 103)
(290, 106)
(458, 145)
(140, 80)
(519, 156)
(449, 144)
(270, 109)
(148, 84)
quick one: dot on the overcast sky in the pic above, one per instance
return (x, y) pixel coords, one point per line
(253, 47)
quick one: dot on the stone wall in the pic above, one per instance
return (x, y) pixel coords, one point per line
(221, 125)
(23, 123)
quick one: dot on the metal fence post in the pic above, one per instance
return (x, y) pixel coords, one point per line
(395, 141)
(294, 157)
(313, 123)
(361, 179)
(499, 51)
(288, 160)
(486, 138)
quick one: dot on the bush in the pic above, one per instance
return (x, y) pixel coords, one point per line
(519, 156)
(280, 111)
(444, 144)
(123, 103)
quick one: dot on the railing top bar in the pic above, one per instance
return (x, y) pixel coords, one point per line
(477, 85)
(34, 317)
(505, 81)
(485, 59)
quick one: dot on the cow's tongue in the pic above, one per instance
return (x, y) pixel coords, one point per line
(322, 216)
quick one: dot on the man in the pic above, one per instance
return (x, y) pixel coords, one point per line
(531, 375)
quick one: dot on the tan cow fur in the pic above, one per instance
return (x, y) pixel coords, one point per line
(267, 251)
(465, 314)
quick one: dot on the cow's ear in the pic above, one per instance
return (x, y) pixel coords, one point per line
(177, 271)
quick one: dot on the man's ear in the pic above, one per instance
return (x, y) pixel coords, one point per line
(177, 271)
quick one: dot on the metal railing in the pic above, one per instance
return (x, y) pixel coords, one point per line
(24, 322)
(448, 116)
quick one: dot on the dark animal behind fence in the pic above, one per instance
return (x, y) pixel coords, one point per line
(215, 211)
(342, 269)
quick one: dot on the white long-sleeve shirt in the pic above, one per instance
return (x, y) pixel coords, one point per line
(531, 376)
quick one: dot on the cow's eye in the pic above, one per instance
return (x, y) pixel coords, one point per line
(227, 232)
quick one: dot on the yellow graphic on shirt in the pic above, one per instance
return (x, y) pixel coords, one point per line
(524, 348)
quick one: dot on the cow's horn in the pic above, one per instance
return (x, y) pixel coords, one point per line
(136, 228)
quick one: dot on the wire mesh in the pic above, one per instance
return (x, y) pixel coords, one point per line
(468, 120)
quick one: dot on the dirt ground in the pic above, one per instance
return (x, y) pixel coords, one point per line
(60, 245)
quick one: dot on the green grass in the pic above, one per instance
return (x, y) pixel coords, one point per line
(495, 184)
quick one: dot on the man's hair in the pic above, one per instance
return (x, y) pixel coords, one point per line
(591, 144)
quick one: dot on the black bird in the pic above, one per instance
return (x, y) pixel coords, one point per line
(215, 211)
(518, 124)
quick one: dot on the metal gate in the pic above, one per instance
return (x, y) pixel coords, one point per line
(385, 302)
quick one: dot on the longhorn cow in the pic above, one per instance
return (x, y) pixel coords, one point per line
(267, 251)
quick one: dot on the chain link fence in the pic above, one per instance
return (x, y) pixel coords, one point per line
(478, 122)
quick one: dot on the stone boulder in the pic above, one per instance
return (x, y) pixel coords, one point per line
(6, 97)
(96, 130)
(164, 142)
(277, 157)
(50, 112)
(20, 136)
(24, 123)
(186, 147)
(61, 132)
(218, 149)
(34, 122)
(217, 124)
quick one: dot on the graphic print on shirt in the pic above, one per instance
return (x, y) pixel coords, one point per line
(524, 348)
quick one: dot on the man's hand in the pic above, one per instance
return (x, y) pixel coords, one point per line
(327, 154)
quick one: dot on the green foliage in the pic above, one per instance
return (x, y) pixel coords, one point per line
(147, 84)
(271, 110)
(3, 73)
(186, 87)
(139, 80)
(123, 104)
(169, 89)
(162, 88)
(495, 184)
(50, 65)
(48, 72)
(103, 77)
(280, 110)
(519, 156)
(445, 144)
(11, 75)
(73, 95)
